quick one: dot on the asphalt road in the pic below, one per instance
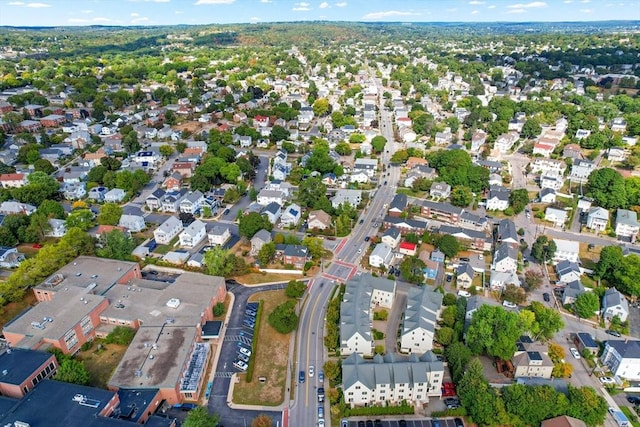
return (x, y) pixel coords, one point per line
(236, 332)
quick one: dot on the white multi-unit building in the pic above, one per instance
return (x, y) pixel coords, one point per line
(627, 226)
(566, 250)
(167, 230)
(420, 317)
(193, 234)
(623, 358)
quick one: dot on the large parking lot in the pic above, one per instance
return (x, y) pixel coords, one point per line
(407, 423)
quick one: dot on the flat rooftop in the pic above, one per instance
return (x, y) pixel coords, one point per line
(97, 274)
(16, 364)
(64, 311)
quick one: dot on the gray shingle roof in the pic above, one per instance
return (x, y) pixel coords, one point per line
(422, 309)
(627, 350)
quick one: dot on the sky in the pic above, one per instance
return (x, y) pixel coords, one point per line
(171, 12)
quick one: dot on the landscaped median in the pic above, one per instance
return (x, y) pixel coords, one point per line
(269, 358)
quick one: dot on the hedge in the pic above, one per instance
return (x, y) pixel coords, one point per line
(254, 342)
(403, 409)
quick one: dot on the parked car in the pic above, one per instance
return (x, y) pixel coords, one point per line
(320, 376)
(344, 423)
(402, 423)
(366, 239)
(458, 422)
(245, 351)
(546, 297)
(634, 400)
(320, 423)
(320, 412)
(509, 304)
(613, 333)
(575, 352)
(243, 357)
(240, 365)
(464, 294)
(301, 377)
(607, 380)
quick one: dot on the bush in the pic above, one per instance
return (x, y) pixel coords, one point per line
(86, 346)
(379, 349)
(403, 409)
(218, 309)
(380, 315)
(283, 318)
(120, 335)
(377, 335)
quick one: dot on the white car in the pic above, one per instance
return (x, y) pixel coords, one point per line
(241, 365)
(245, 351)
(464, 294)
(509, 304)
(311, 371)
(360, 250)
(320, 423)
(575, 352)
(607, 380)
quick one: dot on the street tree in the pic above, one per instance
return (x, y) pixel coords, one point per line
(295, 289)
(166, 150)
(332, 370)
(251, 223)
(315, 246)
(586, 305)
(518, 200)
(200, 417)
(547, 321)
(110, 214)
(449, 245)
(607, 188)
(378, 142)
(43, 165)
(283, 318)
(532, 280)
(321, 107)
(586, 404)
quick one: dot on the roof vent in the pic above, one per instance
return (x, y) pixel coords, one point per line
(173, 303)
(5, 372)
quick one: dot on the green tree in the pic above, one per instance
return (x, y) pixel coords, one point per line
(458, 357)
(51, 209)
(461, 196)
(251, 223)
(547, 321)
(40, 186)
(411, 269)
(116, 245)
(120, 335)
(321, 107)
(378, 142)
(215, 260)
(625, 276)
(310, 191)
(449, 245)
(610, 259)
(332, 371)
(494, 331)
(586, 305)
(478, 397)
(72, 371)
(543, 249)
(444, 335)
(343, 149)
(266, 253)
(531, 129)
(200, 417)
(7, 238)
(518, 200)
(587, 405)
(315, 246)
(43, 165)
(295, 289)
(278, 133)
(110, 214)
(283, 318)
(607, 188)
(532, 280)
(166, 150)
(80, 218)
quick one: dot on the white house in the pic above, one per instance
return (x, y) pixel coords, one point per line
(168, 230)
(505, 258)
(353, 197)
(10, 257)
(557, 216)
(566, 250)
(623, 358)
(392, 237)
(552, 180)
(193, 234)
(547, 195)
(420, 317)
(368, 166)
(259, 240)
(627, 226)
(614, 304)
(133, 223)
(501, 279)
(440, 189)
(115, 195)
(218, 235)
(192, 202)
(597, 219)
(568, 271)
(12, 207)
(58, 227)
(504, 143)
(267, 196)
(390, 380)
(360, 177)
(291, 215)
(581, 170)
(381, 256)
(498, 199)
(272, 211)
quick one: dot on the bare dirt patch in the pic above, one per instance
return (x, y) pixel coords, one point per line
(272, 356)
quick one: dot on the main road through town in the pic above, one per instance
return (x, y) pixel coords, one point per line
(345, 264)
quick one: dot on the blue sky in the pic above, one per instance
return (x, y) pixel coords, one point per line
(168, 12)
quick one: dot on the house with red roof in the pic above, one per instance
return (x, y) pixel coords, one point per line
(13, 180)
(261, 121)
(407, 248)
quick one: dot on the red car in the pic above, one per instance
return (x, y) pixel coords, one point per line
(37, 246)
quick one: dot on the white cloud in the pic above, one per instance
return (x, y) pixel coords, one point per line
(567, 1)
(493, 6)
(150, 1)
(87, 12)
(532, 5)
(585, 1)
(96, 20)
(324, 5)
(388, 14)
(301, 7)
(476, 2)
(201, 2)
(475, 12)
(586, 10)
(37, 5)
(341, 4)
(516, 11)
(254, 19)
(178, 12)
(134, 14)
(266, 1)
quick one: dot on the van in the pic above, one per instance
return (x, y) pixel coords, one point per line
(619, 417)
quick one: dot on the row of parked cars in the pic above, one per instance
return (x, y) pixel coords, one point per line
(244, 350)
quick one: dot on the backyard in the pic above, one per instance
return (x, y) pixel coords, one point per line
(101, 360)
(271, 358)
(12, 309)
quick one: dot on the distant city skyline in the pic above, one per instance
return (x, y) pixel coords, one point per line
(198, 12)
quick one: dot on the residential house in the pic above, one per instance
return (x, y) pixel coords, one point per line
(505, 258)
(627, 226)
(437, 256)
(368, 166)
(97, 194)
(362, 293)
(397, 205)
(196, 260)
(272, 211)
(10, 257)
(572, 291)
(499, 280)
(464, 275)
(353, 197)
(506, 232)
(547, 195)
(192, 202)
(407, 248)
(498, 199)
(171, 201)
(544, 149)
(74, 191)
(154, 201)
(475, 239)
(267, 196)
(473, 304)
(404, 225)
(495, 179)
(13, 180)
(581, 170)
(58, 227)
(192, 235)
(469, 219)
(444, 138)
(597, 219)
(381, 256)
(259, 240)
(504, 143)
(430, 267)
(218, 235)
(440, 190)
(184, 168)
(421, 315)
(133, 223)
(566, 250)
(12, 207)
(557, 216)
(478, 139)
(532, 364)
(291, 216)
(616, 154)
(568, 271)
(391, 237)
(622, 357)
(545, 166)
(572, 151)
(614, 304)
(296, 255)
(551, 180)
(389, 380)
(442, 211)
(318, 220)
(168, 230)
(115, 195)
(173, 182)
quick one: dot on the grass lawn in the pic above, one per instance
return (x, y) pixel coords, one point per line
(256, 278)
(101, 363)
(28, 250)
(272, 356)
(12, 309)
(226, 302)
(590, 256)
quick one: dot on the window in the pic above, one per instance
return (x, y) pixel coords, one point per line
(70, 339)
(25, 389)
(86, 325)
